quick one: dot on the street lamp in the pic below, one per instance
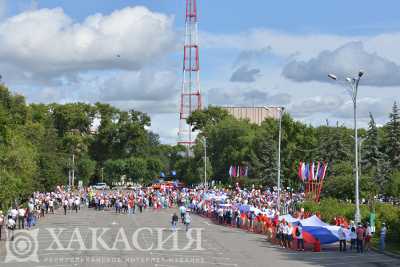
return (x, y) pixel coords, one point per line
(205, 162)
(353, 82)
(204, 141)
(278, 201)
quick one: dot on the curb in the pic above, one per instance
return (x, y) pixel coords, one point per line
(387, 253)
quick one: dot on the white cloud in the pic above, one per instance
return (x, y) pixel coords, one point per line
(315, 105)
(146, 85)
(344, 61)
(49, 42)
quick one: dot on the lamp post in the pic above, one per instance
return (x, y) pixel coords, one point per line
(353, 82)
(205, 162)
(278, 201)
(204, 141)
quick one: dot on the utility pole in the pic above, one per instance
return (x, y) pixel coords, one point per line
(354, 82)
(73, 169)
(278, 201)
(205, 162)
(102, 175)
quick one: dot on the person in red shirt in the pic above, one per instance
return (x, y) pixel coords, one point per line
(360, 231)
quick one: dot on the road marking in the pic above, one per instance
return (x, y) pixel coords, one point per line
(220, 263)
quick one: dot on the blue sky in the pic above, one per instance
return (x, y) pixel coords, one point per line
(226, 16)
(252, 53)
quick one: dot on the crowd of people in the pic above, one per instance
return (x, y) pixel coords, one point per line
(255, 210)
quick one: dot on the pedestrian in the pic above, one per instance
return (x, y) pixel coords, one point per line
(182, 211)
(299, 237)
(285, 234)
(360, 231)
(174, 221)
(21, 218)
(51, 206)
(382, 237)
(289, 237)
(353, 238)
(11, 225)
(342, 239)
(65, 206)
(77, 203)
(14, 214)
(368, 236)
(1, 221)
(187, 220)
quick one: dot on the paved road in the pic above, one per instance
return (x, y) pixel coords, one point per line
(220, 246)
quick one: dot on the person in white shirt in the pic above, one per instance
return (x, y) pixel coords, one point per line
(353, 237)
(65, 206)
(342, 238)
(299, 237)
(21, 218)
(285, 234)
(11, 224)
(51, 206)
(289, 235)
(14, 214)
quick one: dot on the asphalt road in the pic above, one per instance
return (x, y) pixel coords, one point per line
(142, 240)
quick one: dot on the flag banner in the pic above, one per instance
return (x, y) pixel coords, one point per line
(238, 171)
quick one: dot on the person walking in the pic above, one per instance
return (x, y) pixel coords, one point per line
(11, 225)
(174, 221)
(289, 236)
(65, 206)
(299, 237)
(342, 239)
(353, 238)
(360, 231)
(21, 218)
(368, 236)
(182, 211)
(1, 222)
(187, 220)
(51, 206)
(382, 237)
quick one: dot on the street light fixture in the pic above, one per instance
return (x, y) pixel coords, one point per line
(353, 82)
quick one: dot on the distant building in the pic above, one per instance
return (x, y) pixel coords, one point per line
(255, 115)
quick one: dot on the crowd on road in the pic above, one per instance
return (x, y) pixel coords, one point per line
(254, 210)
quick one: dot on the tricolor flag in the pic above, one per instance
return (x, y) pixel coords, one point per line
(311, 174)
(317, 176)
(303, 171)
(307, 171)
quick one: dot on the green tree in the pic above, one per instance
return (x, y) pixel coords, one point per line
(393, 138)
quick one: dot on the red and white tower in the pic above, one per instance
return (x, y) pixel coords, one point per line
(190, 96)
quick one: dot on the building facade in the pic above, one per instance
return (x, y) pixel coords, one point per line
(254, 114)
